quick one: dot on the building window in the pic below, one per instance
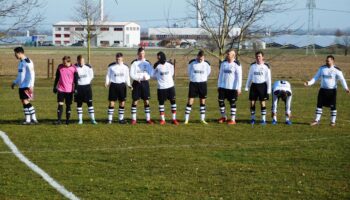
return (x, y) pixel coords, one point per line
(127, 28)
(92, 28)
(79, 29)
(116, 42)
(58, 35)
(138, 28)
(57, 42)
(104, 29)
(66, 42)
(104, 43)
(58, 28)
(66, 35)
(118, 29)
(66, 29)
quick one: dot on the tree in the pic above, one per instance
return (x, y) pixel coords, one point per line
(18, 15)
(87, 16)
(219, 18)
(343, 41)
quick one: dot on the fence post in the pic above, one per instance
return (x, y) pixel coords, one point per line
(50, 64)
(174, 68)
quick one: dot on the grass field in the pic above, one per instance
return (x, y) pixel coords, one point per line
(183, 162)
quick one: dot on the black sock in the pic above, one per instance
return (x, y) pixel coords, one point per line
(59, 112)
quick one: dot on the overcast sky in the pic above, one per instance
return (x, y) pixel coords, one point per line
(152, 13)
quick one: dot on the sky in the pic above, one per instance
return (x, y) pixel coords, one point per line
(153, 13)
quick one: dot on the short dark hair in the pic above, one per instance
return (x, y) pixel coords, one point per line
(18, 50)
(139, 50)
(66, 58)
(79, 57)
(118, 55)
(259, 52)
(162, 57)
(200, 53)
(331, 57)
(229, 50)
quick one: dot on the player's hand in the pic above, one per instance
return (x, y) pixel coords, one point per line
(348, 91)
(306, 83)
(239, 92)
(54, 90)
(106, 85)
(130, 87)
(246, 89)
(13, 85)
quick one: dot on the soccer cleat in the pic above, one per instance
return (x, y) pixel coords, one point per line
(67, 122)
(186, 122)
(150, 122)
(332, 124)
(252, 121)
(263, 123)
(314, 123)
(80, 122)
(162, 122)
(93, 122)
(109, 122)
(222, 120)
(26, 123)
(133, 122)
(204, 122)
(289, 122)
(123, 121)
(175, 122)
(274, 122)
(231, 122)
(58, 122)
(35, 122)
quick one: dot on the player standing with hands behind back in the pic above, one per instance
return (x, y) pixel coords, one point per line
(327, 96)
(25, 81)
(259, 81)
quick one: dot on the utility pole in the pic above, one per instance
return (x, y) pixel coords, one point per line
(311, 5)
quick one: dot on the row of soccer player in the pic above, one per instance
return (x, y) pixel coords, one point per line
(74, 82)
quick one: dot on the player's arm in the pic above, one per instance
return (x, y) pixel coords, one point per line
(57, 78)
(127, 78)
(340, 77)
(208, 70)
(249, 79)
(16, 81)
(314, 79)
(108, 81)
(268, 81)
(274, 103)
(238, 77)
(75, 81)
(91, 74)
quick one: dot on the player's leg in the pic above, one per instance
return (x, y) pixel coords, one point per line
(188, 109)
(318, 112)
(136, 95)
(171, 96)
(110, 110)
(263, 112)
(121, 112)
(145, 95)
(233, 112)
(26, 112)
(91, 111)
(333, 107)
(288, 103)
(252, 111)
(222, 108)
(162, 111)
(202, 100)
(60, 103)
(31, 111)
(147, 111)
(68, 101)
(275, 100)
(80, 111)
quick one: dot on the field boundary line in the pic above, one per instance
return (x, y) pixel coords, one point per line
(37, 169)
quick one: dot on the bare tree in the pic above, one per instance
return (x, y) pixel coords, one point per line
(343, 41)
(219, 18)
(87, 16)
(18, 15)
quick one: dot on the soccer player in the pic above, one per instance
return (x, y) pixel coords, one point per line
(65, 81)
(198, 71)
(281, 90)
(229, 85)
(117, 79)
(259, 81)
(164, 73)
(141, 71)
(327, 95)
(83, 90)
(25, 81)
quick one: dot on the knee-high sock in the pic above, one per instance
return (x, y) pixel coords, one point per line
(68, 112)
(148, 113)
(173, 110)
(26, 113)
(318, 114)
(333, 116)
(188, 112)
(59, 112)
(162, 112)
(222, 108)
(110, 113)
(133, 112)
(121, 112)
(31, 110)
(80, 113)
(233, 111)
(202, 111)
(252, 112)
(263, 113)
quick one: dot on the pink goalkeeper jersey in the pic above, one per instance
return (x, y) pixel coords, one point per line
(66, 81)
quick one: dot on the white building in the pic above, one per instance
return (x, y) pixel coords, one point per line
(184, 33)
(106, 34)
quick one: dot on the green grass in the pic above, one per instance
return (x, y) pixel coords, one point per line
(184, 162)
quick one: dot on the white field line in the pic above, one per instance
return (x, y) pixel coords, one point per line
(183, 146)
(36, 169)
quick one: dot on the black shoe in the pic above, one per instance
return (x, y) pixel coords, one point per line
(67, 122)
(58, 122)
(123, 121)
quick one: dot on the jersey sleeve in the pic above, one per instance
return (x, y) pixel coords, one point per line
(91, 74)
(127, 77)
(340, 77)
(108, 80)
(315, 78)
(133, 73)
(238, 77)
(208, 70)
(249, 79)
(268, 81)
(220, 75)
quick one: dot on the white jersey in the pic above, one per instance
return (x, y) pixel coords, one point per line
(141, 70)
(85, 73)
(259, 74)
(118, 73)
(329, 77)
(198, 71)
(164, 75)
(26, 74)
(230, 75)
(282, 85)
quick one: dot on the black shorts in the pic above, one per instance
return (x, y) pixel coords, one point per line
(166, 94)
(198, 90)
(281, 94)
(258, 91)
(140, 90)
(65, 97)
(327, 98)
(230, 95)
(22, 93)
(84, 94)
(117, 92)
